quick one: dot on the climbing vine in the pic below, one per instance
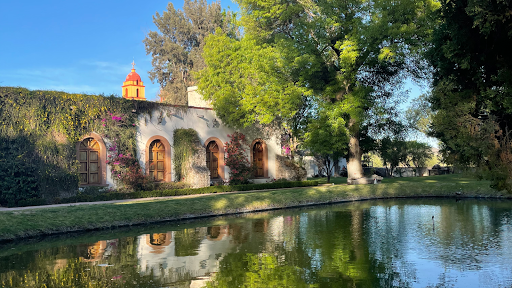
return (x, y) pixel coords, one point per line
(42, 129)
(184, 148)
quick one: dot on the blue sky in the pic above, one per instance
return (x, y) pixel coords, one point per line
(82, 46)
(77, 46)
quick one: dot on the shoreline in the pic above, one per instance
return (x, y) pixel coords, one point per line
(29, 222)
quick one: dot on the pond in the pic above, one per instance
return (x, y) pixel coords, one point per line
(391, 243)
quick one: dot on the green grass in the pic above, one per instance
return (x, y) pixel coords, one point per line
(31, 222)
(335, 180)
(431, 179)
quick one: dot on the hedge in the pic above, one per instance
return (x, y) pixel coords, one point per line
(170, 192)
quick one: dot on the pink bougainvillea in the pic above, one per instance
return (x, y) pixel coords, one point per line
(236, 159)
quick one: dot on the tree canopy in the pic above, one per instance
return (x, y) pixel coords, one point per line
(346, 55)
(177, 46)
(472, 91)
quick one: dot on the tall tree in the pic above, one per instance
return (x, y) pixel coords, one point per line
(352, 54)
(472, 94)
(419, 115)
(418, 153)
(326, 138)
(177, 46)
(393, 152)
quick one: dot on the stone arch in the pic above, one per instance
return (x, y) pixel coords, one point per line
(167, 157)
(102, 158)
(262, 163)
(221, 155)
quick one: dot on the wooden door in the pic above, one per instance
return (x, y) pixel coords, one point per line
(89, 158)
(157, 161)
(212, 159)
(257, 157)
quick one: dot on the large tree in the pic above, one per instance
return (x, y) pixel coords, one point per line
(177, 46)
(472, 94)
(326, 138)
(349, 55)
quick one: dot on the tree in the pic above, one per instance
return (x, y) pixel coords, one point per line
(472, 84)
(393, 152)
(418, 153)
(419, 115)
(351, 54)
(176, 49)
(325, 140)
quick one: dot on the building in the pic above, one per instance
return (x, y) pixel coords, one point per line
(155, 143)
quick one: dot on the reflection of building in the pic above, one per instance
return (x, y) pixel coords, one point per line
(92, 252)
(216, 233)
(97, 251)
(158, 241)
(157, 253)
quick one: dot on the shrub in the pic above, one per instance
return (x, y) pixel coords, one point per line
(236, 159)
(185, 191)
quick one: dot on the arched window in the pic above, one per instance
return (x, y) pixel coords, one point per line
(137, 93)
(126, 92)
(89, 158)
(212, 159)
(157, 161)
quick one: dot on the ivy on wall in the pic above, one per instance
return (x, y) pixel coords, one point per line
(184, 147)
(39, 131)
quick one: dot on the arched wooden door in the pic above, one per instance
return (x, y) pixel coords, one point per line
(157, 238)
(89, 158)
(257, 157)
(157, 161)
(212, 159)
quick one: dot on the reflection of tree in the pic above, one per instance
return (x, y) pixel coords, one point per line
(187, 242)
(65, 267)
(337, 238)
(253, 271)
(463, 225)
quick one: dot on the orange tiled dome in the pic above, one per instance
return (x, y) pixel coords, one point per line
(133, 76)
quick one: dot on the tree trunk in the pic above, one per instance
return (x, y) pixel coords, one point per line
(354, 164)
(328, 169)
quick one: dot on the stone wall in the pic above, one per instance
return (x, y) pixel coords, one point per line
(287, 169)
(197, 174)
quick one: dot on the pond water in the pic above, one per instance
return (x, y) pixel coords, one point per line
(392, 243)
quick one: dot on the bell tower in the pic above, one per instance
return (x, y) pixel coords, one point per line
(133, 88)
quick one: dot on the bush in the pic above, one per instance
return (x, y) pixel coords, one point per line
(186, 191)
(236, 160)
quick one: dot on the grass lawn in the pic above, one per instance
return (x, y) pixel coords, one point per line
(335, 180)
(30, 222)
(430, 179)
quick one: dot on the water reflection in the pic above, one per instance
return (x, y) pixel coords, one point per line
(392, 243)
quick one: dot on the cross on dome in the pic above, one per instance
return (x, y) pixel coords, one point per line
(133, 64)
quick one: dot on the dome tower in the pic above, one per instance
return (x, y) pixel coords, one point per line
(133, 88)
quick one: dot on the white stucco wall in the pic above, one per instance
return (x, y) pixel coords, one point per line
(163, 259)
(196, 100)
(203, 121)
(312, 168)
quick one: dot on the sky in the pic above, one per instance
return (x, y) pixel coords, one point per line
(78, 46)
(84, 46)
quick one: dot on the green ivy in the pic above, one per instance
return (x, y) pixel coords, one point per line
(39, 131)
(184, 147)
